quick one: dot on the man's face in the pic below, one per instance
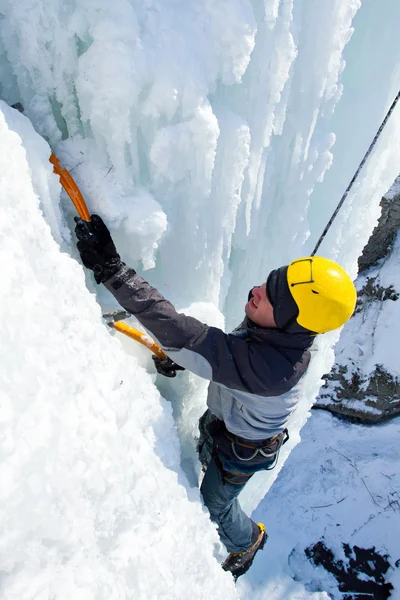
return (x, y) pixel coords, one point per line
(259, 309)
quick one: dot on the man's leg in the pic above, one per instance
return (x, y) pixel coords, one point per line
(205, 445)
(236, 530)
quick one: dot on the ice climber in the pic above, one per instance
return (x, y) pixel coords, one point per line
(254, 372)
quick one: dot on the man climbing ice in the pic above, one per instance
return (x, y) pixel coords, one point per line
(254, 371)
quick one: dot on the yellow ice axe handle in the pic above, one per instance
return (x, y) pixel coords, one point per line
(139, 337)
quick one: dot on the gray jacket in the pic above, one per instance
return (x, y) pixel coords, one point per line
(254, 371)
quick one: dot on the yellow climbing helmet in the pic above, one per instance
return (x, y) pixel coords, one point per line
(323, 291)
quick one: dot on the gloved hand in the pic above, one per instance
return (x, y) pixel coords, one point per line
(96, 248)
(166, 366)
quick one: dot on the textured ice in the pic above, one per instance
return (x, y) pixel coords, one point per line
(216, 139)
(92, 501)
(340, 485)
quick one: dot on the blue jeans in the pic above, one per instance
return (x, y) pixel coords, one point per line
(224, 479)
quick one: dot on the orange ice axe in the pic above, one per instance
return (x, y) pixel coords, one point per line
(114, 321)
(69, 185)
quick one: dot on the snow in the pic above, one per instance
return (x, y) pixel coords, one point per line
(365, 347)
(394, 190)
(91, 500)
(341, 484)
(216, 139)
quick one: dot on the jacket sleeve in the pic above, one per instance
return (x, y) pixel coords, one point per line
(206, 351)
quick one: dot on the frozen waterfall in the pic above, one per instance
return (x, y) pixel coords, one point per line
(215, 137)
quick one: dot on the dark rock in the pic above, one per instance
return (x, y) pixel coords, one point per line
(377, 396)
(366, 562)
(373, 292)
(380, 392)
(383, 236)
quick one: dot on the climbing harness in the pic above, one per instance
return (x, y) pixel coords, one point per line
(362, 163)
(279, 439)
(269, 448)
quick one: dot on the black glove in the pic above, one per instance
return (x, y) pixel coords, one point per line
(96, 248)
(166, 366)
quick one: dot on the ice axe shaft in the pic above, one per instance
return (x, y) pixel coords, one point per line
(69, 185)
(140, 337)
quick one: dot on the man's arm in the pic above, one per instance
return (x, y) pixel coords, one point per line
(206, 351)
(158, 315)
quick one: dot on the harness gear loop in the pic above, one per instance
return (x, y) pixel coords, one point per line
(283, 438)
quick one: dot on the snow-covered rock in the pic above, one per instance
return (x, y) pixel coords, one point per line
(364, 383)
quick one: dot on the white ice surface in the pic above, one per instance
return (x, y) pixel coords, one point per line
(93, 503)
(394, 190)
(216, 139)
(341, 485)
(368, 339)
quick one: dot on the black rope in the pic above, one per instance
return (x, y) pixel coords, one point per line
(339, 206)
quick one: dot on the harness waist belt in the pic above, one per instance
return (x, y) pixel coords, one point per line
(252, 443)
(269, 448)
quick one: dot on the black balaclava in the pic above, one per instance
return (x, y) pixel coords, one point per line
(285, 308)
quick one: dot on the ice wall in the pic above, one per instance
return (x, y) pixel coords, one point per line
(214, 137)
(208, 127)
(90, 503)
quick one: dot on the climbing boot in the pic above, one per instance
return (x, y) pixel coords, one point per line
(239, 563)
